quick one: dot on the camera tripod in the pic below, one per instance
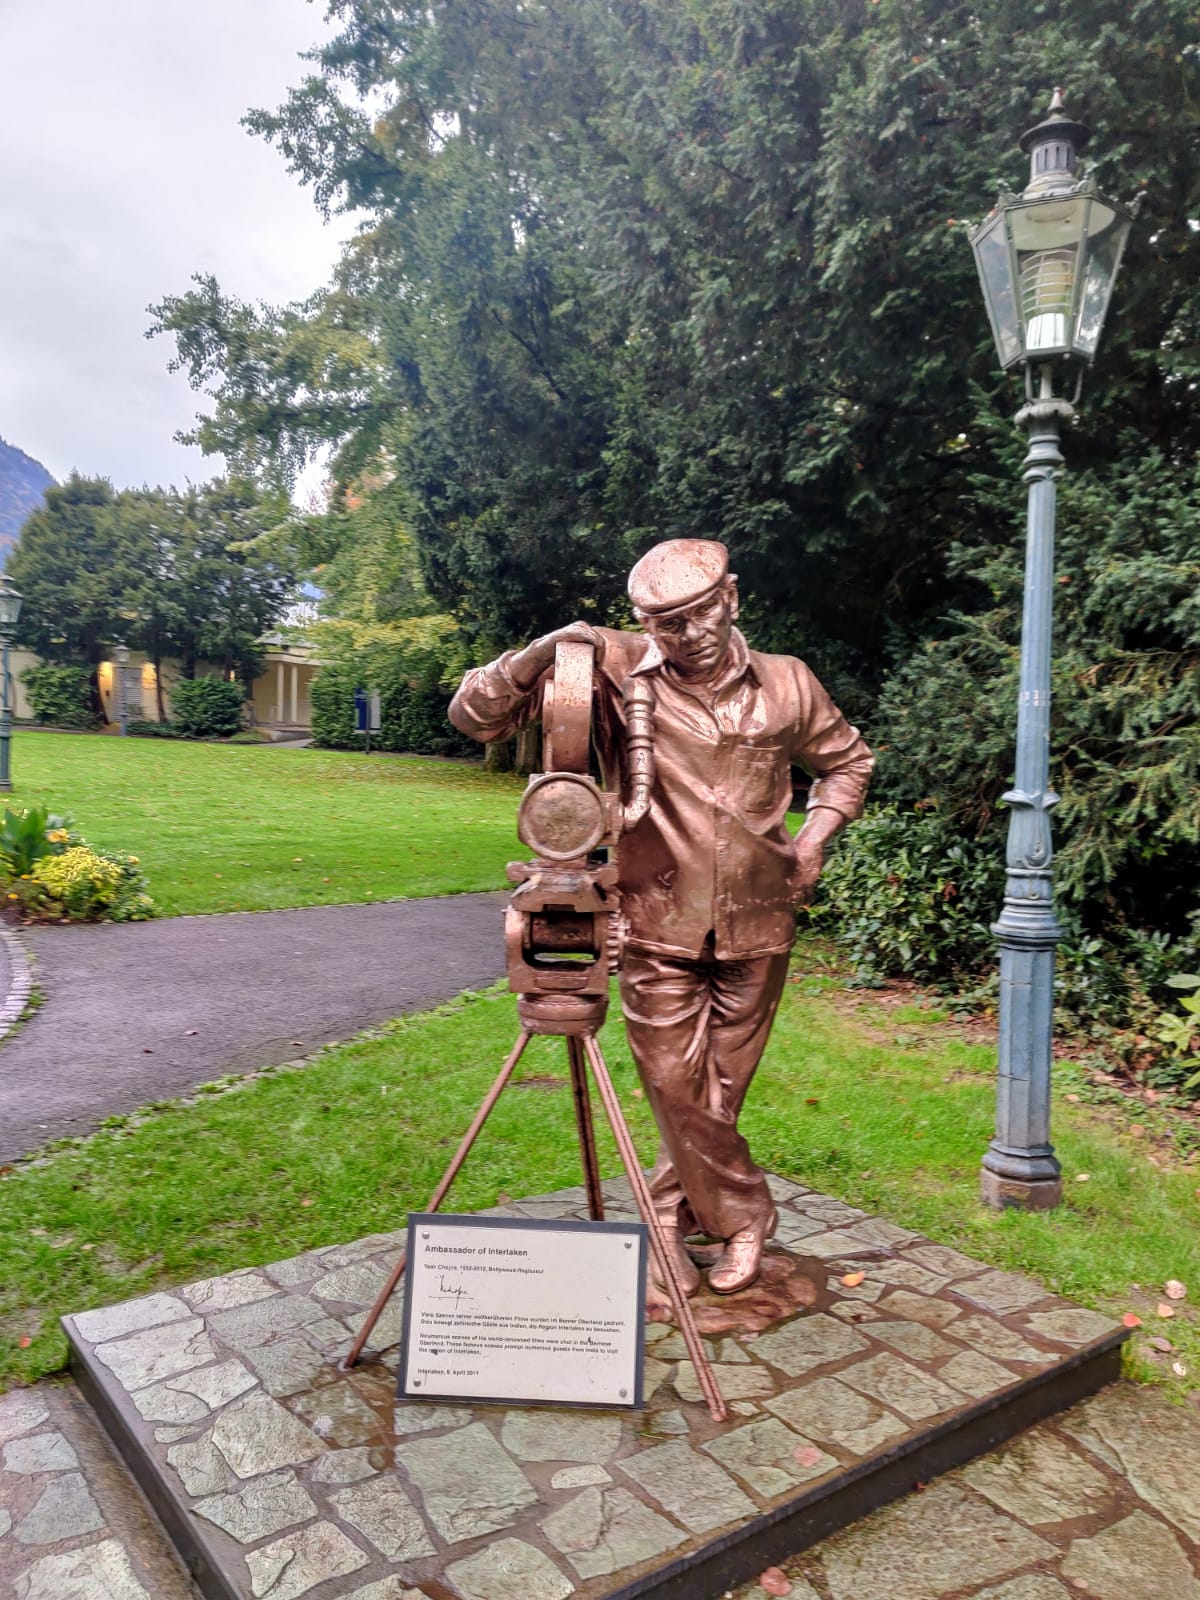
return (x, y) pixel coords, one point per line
(583, 1052)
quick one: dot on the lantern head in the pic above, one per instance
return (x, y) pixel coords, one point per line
(1048, 258)
(10, 605)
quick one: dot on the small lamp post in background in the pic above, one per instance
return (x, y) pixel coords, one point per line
(1047, 261)
(121, 653)
(10, 610)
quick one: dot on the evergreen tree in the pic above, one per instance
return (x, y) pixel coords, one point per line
(75, 563)
(171, 574)
(655, 268)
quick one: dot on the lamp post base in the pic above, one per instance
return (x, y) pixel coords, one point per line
(1019, 1194)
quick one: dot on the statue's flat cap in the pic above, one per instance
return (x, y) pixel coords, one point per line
(677, 573)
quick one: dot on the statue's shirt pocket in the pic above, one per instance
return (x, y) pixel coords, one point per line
(761, 780)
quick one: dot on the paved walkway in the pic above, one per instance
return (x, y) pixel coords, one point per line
(1099, 1504)
(146, 1011)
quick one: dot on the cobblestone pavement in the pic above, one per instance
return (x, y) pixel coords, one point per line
(285, 1464)
(146, 1011)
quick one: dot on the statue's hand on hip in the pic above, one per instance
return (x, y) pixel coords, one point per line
(805, 874)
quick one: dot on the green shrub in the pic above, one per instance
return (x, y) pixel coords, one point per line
(1180, 1034)
(412, 715)
(27, 834)
(206, 708)
(61, 696)
(332, 697)
(414, 721)
(86, 885)
(144, 729)
(907, 897)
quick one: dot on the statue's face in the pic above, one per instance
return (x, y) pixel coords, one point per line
(695, 640)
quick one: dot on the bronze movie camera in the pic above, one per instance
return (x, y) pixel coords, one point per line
(563, 927)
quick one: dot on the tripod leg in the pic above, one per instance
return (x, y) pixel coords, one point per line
(587, 1133)
(439, 1194)
(666, 1265)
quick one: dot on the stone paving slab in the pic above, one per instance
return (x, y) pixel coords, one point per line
(280, 1477)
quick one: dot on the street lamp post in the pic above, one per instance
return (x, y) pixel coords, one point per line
(10, 610)
(1047, 260)
(121, 652)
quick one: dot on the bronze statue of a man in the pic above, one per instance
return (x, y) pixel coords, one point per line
(710, 877)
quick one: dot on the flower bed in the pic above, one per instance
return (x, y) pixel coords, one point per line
(54, 875)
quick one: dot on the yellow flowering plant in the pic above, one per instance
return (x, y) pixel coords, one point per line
(54, 875)
(88, 885)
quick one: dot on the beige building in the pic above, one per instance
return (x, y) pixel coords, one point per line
(279, 703)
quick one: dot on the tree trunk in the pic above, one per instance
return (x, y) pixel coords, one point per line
(158, 689)
(498, 755)
(529, 749)
(98, 708)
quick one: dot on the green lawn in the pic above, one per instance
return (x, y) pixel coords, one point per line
(250, 828)
(887, 1114)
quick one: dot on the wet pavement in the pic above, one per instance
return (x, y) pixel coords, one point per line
(146, 1011)
(305, 1482)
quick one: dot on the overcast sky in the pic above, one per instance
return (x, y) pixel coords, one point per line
(123, 170)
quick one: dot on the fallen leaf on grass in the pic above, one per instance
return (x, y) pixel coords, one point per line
(1178, 1368)
(775, 1581)
(853, 1279)
(1163, 1346)
(1175, 1290)
(1072, 1097)
(1137, 1130)
(306, 1202)
(1131, 1319)
(24, 1341)
(1083, 1177)
(1165, 1309)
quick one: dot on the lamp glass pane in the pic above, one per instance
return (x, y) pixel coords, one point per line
(1047, 297)
(10, 606)
(1046, 234)
(994, 262)
(1107, 233)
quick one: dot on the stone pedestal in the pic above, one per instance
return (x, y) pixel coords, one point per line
(277, 1476)
(1005, 1194)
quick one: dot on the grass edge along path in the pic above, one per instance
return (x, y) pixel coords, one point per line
(255, 828)
(346, 1145)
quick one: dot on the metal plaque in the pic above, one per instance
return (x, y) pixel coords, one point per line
(523, 1312)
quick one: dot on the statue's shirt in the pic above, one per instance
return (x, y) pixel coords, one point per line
(713, 855)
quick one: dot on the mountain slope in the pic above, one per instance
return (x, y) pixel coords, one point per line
(23, 482)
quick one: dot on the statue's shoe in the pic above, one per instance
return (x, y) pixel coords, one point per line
(738, 1264)
(685, 1267)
